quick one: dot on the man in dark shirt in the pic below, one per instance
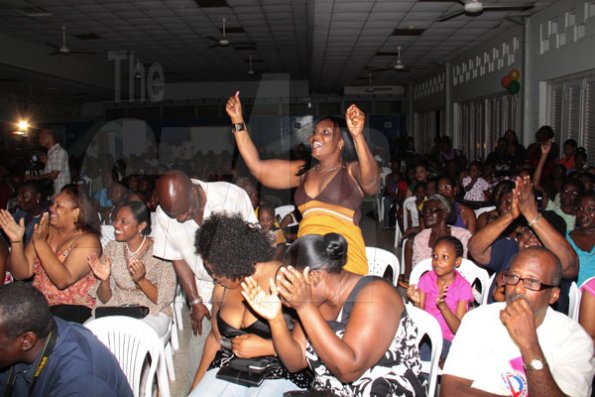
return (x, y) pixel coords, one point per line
(46, 356)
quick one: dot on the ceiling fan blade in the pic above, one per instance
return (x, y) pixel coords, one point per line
(84, 52)
(214, 46)
(52, 45)
(450, 16)
(524, 7)
(240, 43)
(216, 39)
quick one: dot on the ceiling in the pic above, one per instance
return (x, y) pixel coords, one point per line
(329, 43)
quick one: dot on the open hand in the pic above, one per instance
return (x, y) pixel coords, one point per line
(441, 297)
(137, 269)
(100, 270)
(266, 305)
(294, 287)
(42, 229)
(14, 231)
(526, 198)
(197, 313)
(414, 294)
(233, 107)
(355, 118)
(546, 146)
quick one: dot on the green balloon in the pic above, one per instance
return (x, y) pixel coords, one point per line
(514, 87)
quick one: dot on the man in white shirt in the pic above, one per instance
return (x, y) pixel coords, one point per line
(183, 205)
(521, 347)
(56, 168)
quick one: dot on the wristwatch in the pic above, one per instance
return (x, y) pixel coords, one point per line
(535, 364)
(237, 127)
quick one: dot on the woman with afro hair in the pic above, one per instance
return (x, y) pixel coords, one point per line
(232, 250)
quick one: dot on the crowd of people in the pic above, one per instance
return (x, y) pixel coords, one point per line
(299, 306)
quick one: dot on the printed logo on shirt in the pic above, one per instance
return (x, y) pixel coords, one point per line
(515, 380)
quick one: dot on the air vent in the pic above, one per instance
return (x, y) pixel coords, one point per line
(87, 36)
(211, 3)
(33, 12)
(408, 32)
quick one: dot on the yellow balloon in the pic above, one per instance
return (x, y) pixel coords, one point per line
(514, 74)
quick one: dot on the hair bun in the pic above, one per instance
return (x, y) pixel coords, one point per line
(336, 246)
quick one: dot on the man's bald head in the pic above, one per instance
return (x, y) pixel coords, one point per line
(177, 195)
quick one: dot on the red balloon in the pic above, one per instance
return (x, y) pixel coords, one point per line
(506, 81)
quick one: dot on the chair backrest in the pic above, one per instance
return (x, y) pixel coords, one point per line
(422, 266)
(428, 325)
(481, 210)
(130, 340)
(486, 295)
(475, 275)
(379, 260)
(469, 270)
(574, 301)
(283, 210)
(107, 234)
(410, 208)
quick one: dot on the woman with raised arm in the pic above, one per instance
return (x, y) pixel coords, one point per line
(329, 193)
(357, 335)
(56, 256)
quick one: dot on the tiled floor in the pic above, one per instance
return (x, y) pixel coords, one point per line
(191, 346)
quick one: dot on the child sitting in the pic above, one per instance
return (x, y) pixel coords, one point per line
(266, 218)
(476, 188)
(443, 292)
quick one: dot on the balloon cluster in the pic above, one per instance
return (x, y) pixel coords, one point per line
(511, 81)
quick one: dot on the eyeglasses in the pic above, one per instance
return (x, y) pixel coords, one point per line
(528, 283)
(431, 210)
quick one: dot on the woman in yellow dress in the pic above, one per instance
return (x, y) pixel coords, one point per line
(329, 191)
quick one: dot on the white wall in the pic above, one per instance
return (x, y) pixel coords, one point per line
(561, 43)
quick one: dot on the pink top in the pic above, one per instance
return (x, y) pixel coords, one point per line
(76, 294)
(459, 290)
(589, 286)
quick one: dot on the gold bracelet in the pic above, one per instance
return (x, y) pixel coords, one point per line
(17, 241)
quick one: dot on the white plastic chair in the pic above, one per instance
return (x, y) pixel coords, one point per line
(574, 301)
(428, 325)
(469, 270)
(472, 273)
(379, 260)
(481, 210)
(486, 295)
(130, 340)
(179, 302)
(107, 234)
(283, 210)
(410, 209)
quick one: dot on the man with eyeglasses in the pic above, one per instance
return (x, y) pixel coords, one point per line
(521, 347)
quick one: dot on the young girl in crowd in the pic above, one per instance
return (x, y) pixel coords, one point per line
(476, 188)
(443, 292)
(266, 218)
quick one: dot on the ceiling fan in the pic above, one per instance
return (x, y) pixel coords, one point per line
(224, 41)
(371, 87)
(398, 66)
(63, 48)
(476, 7)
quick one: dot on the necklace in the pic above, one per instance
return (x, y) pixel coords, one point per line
(318, 169)
(133, 253)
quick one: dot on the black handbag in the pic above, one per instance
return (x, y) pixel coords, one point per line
(129, 311)
(249, 372)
